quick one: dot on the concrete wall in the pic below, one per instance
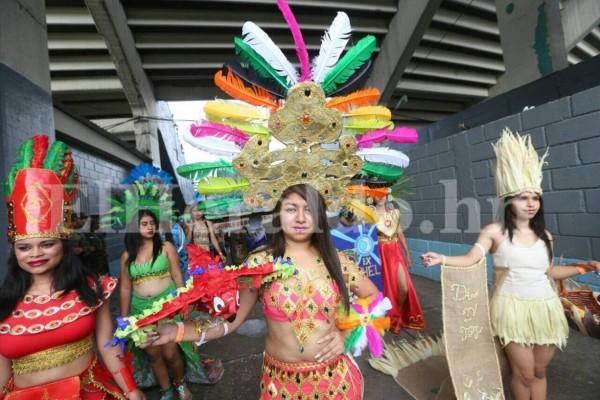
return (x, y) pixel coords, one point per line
(455, 189)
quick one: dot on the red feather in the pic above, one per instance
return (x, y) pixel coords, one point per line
(40, 148)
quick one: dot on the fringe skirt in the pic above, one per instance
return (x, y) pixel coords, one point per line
(338, 379)
(529, 321)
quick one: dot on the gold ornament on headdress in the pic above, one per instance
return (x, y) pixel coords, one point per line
(518, 166)
(302, 124)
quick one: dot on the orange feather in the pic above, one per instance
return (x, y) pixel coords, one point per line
(365, 191)
(360, 98)
(234, 86)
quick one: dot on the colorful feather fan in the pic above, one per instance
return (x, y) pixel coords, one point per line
(147, 171)
(367, 322)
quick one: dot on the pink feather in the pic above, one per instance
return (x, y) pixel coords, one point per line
(375, 341)
(403, 134)
(374, 302)
(301, 50)
(367, 140)
(207, 128)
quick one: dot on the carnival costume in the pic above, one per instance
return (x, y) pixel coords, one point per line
(149, 189)
(46, 331)
(525, 308)
(297, 127)
(392, 258)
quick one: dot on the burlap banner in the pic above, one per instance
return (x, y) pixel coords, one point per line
(469, 342)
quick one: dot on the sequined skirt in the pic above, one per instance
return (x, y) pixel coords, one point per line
(338, 379)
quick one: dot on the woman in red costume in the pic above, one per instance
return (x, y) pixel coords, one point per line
(51, 309)
(397, 285)
(304, 351)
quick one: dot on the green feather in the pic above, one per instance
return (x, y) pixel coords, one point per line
(386, 172)
(55, 157)
(252, 58)
(246, 127)
(201, 170)
(220, 203)
(351, 340)
(352, 60)
(24, 155)
(221, 185)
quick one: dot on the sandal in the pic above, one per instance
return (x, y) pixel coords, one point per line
(181, 389)
(214, 369)
(167, 394)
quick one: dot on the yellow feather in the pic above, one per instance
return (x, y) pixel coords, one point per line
(233, 111)
(363, 212)
(379, 113)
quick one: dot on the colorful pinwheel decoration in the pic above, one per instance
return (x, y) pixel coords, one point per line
(368, 323)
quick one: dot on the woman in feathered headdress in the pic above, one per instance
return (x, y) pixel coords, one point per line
(51, 308)
(526, 312)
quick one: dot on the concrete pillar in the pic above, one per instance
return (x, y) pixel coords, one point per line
(25, 97)
(533, 43)
(146, 135)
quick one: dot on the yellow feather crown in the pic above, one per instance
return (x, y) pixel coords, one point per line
(518, 166)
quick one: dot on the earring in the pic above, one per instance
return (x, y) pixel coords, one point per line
(390, 197)
(369, 200)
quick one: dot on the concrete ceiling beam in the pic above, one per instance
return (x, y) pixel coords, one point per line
(579, 18)
(405, 32)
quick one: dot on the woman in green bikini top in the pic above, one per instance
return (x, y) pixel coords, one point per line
(150, 270)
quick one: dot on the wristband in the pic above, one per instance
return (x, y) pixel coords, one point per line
(130, 385)
(225, 328)
(443, 259)
(180, 332)
(581, 270)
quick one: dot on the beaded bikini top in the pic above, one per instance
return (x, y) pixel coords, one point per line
(310, 295)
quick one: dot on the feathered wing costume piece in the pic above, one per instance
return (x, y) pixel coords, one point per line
(40, 189)
(367, 323)
(210, 286)
(148, 188)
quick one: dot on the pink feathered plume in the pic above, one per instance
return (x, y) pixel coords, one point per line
(207, 128)
(301, 50)
(403, 135)
(367, 140)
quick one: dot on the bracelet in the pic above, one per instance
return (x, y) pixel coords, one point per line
(581, 270)
(130, 385)
(443, 259)
(180, 332)
(225, 328)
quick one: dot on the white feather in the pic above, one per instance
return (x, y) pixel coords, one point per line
(212, 145)
(383, 306)
(384, 155)
(263, 45)
(332, 45)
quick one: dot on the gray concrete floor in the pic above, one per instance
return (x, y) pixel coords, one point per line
(573, 373)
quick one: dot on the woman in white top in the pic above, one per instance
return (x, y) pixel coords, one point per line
(525, 311)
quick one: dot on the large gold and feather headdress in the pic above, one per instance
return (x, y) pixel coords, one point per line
(308, 125)
(518, 166)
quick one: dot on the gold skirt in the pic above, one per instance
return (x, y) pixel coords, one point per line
(529, 321)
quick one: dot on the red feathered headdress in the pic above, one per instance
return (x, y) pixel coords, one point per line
(40, 189)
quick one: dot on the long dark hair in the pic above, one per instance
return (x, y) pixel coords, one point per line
(133, 239)
(321, 239)
(69, 275)
(537, 223)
